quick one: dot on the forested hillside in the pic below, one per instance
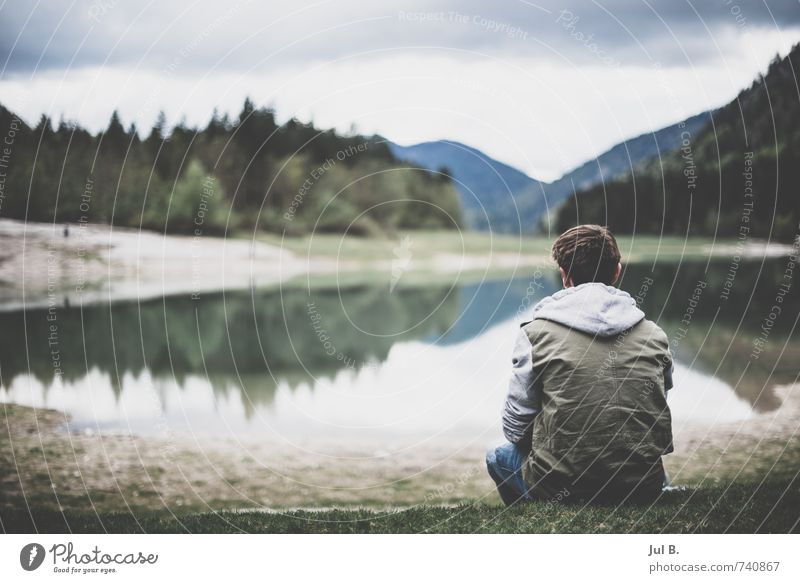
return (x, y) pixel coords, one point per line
(738, 176)
(242, 173)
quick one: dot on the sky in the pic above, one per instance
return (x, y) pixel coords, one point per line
(543, 86)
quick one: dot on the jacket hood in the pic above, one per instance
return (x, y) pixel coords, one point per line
(594, 308)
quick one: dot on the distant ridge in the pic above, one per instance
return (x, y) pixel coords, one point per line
(736, 177)
(626, 155)
(487, 187)
(504, 199)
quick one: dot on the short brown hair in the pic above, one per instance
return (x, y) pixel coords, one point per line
(587, 253)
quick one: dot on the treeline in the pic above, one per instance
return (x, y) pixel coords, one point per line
(738, 176)
(243, 173)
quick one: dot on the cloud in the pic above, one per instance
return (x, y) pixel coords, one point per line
(243, 34)
(538, 116)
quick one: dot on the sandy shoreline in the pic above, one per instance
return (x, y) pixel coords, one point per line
(40, 266)
(45, 466)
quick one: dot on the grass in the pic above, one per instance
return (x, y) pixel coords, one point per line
(766, 507)
(426, 244)
(471, 256)
(740, 482)
(362, 260)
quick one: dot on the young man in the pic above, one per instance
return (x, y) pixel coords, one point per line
(586, 413)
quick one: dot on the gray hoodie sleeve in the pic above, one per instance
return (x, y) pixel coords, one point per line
(524, 394)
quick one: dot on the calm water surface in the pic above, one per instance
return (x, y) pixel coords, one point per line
(371, 363)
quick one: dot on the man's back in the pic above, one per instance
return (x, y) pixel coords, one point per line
(604, 421)
(586, 413)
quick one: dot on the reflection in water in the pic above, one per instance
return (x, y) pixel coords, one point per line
(361, 362)
(720, 335)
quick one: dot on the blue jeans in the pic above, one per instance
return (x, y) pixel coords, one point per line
(505, 467)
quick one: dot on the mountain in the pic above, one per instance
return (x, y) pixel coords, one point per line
(736, 176)
(487, 188)
(625, 156)
(499, 197)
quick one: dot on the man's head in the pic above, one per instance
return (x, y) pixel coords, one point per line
(587, 253)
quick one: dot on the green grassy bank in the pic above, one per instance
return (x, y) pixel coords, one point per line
(426, 244)
(766, 507)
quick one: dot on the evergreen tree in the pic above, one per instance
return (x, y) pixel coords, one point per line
(259, 172)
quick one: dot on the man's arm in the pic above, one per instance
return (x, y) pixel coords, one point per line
(669, 368)
(523, 400)
(667, 362)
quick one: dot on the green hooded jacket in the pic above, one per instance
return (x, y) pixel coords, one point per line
(593, 403)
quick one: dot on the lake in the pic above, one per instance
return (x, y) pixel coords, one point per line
(378, 363)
